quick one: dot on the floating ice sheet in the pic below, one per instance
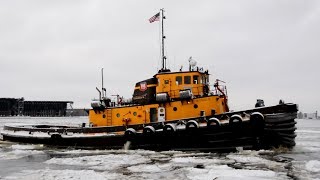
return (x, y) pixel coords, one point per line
(313, 166)
(50, 174)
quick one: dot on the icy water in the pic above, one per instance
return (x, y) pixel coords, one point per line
(21, 161)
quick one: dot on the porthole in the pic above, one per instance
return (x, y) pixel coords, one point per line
(103, 116)
(195, 106)
(118, 115)
(134, 113)
(175, 108)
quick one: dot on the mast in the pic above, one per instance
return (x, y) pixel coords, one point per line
(163, 57)
(162, 37)
(102, 87)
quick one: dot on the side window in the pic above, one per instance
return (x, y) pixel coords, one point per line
(195, 79)
(179, 80)
(187, 79)
(166, 81)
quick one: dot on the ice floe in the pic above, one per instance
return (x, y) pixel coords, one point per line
(313, 166)
(50, 174)
(101, 162)
(225, 172)
(20, 151)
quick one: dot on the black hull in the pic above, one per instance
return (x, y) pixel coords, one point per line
(276, 129)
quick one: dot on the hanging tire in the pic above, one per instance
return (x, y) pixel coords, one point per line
(192, 125)
(149, 130)
(56, 138)
(235, 120)
(130, 134)
(213, 123)
(169, 128)
(257, 120)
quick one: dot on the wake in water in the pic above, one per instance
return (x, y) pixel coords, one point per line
(126, 146)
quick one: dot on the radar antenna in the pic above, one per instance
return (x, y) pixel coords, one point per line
(192, 63)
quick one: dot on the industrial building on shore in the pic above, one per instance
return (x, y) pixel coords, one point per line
(20, 107)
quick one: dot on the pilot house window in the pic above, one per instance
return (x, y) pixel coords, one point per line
(178, 80)
(195, 79)
(187, 80)
(205, 80)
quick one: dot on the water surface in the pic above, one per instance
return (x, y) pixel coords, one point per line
(25, 161)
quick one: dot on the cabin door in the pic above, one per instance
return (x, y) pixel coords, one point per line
(153, 114)
(161, 114)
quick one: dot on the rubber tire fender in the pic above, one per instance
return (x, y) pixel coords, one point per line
(149, 130)
(130, 134)
(235, 120)
(169, 128)
(213, 122)
(56, 136)
(192, 124)
(257, 119)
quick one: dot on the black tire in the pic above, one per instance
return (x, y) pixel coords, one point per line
(257, 120)
(169, 128)
(56, 138)
(192, 125)
(130, 134)
(213, 123)
(280, 117)
(282, 125)
(149, 130)
(235, 120)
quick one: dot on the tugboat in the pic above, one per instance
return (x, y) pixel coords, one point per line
(170, 111)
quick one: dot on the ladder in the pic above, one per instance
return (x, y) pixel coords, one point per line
(109, 117)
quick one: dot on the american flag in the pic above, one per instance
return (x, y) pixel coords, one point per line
(155, 18)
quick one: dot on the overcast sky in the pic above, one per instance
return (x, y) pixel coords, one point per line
(54, 50)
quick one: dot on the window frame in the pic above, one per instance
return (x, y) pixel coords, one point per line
(187, 79)
(179, 80)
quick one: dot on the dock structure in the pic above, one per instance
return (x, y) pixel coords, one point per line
(8, 107)
(20, 107)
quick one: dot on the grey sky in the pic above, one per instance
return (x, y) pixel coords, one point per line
(53, 50)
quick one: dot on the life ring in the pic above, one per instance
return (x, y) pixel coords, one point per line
(169, 128)
(235, 120)
(130, 134)
(192, 124)
(213, 122)
(149, 130)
